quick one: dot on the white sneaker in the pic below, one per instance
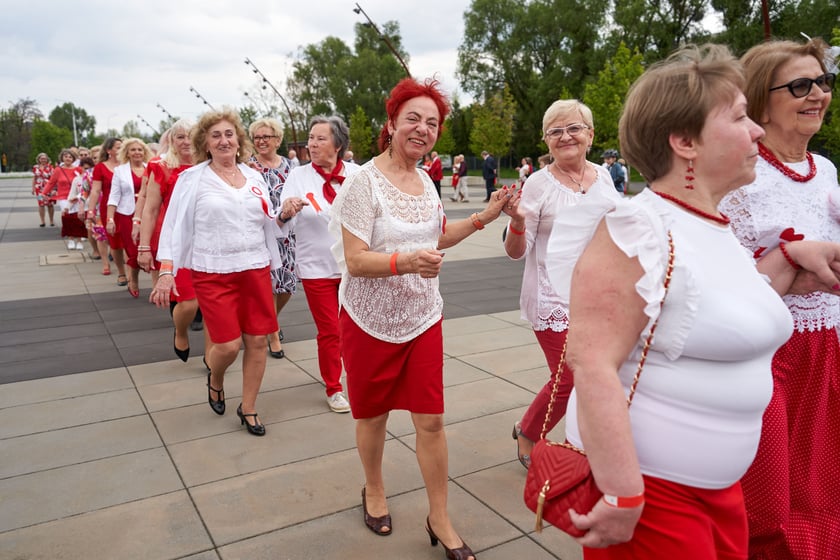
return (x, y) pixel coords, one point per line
(80, 246)
(338, 403)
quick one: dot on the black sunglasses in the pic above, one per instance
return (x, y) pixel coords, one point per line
(800, 87)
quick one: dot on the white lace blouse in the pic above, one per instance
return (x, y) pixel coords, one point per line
(543, 197)
(773, 208)
(397, 308)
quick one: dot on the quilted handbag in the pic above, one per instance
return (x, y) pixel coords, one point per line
(559, 477)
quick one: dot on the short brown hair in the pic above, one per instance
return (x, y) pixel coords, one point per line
(762, 61)
(198, 136)
(675, 95)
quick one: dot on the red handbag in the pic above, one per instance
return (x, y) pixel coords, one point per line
(559, 477)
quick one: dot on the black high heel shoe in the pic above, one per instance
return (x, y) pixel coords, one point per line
(257, 429)
(219, 405)
(463, 552)
(275, 354)
(182, 354)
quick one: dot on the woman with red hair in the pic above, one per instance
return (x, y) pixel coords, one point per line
(391, 229)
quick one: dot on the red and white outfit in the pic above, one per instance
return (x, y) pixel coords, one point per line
(392, 339)
(125, 186)
(41, 175)
(60, 182)
(792, 491)
(225, 235)
(101, 172)
(316, 266)
(696, 415)
(539, 303)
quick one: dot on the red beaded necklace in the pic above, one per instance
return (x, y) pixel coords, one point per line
(722, 219)
(770, 158)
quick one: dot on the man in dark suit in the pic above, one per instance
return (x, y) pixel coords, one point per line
(488, 171)
(436, 171)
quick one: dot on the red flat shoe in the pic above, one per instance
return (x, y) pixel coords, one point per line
(134, 293)
(106, 271)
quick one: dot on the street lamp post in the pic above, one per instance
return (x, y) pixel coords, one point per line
(265, 82)
(199, 96)
(144, 121)
(358, 10)
(165, 112)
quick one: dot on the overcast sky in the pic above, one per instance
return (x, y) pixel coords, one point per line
(118, 60)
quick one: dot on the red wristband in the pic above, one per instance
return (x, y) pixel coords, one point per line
(515, 231)
(475, 221)
(627, 502)
(788, 257)
(394, 263)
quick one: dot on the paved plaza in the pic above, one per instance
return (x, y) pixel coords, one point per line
(108, 448)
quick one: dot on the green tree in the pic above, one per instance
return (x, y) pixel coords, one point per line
(605, 96)
(829, 135)
(656, 28)
(16, 132)
(50, 139)
(536, 48)
(446, 142)
(493, 124)
(331, 78)
(62, 117)
(361, 135)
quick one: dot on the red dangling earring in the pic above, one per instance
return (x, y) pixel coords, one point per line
(689, 175)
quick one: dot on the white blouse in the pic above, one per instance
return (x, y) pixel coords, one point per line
(774, 207)
(310, 225)
(696, 416)
(122, 190)
(543, 197)
(212, 227)
(396, 308)
(229, 237)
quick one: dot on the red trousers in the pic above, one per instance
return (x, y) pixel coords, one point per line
(551, 343)
(322, 297)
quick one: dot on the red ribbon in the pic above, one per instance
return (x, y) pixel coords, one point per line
(329, 191)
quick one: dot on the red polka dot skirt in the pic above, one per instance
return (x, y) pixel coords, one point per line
(792, 489)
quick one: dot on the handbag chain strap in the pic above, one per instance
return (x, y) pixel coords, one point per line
(642, 359)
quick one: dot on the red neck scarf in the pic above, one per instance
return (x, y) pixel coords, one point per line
(329, 191)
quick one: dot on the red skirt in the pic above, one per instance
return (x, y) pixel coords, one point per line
(384, 376)
(72, 226)
(791, 490)
(235, 303)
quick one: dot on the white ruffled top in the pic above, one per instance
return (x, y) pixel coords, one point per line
(543, 197)
(696, 416)
(773, 208)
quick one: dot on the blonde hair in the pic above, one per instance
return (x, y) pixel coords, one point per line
(122, 154)
(268, 123)
(566, 108)
(198, 137)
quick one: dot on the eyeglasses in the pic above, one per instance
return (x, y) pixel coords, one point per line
(263, 138)
(800, 87)
(572, 129)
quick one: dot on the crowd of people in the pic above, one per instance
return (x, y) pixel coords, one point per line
(731, 253)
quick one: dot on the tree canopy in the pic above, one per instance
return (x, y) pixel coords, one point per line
(331, 78)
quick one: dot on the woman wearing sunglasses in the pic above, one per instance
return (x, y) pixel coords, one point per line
(791, 490)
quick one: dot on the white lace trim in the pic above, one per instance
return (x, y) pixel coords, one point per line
(772, 203)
